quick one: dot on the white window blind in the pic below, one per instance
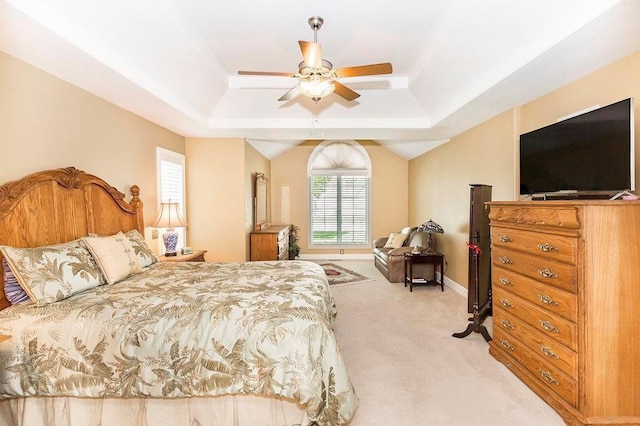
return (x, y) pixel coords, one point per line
(170, 167)
(339, 179)
(339, 212)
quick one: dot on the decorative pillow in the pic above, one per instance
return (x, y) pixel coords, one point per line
(12, 290)
(144, 254)
(51, 273)
(395, 240)
(114, 255)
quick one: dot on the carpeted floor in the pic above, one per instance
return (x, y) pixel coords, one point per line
(338, 275)
(408, 370)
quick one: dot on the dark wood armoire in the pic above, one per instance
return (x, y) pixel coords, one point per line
(479, 236)
(479, 284)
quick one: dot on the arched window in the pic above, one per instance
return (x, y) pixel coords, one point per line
(339, 174)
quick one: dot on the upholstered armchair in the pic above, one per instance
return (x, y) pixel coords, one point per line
(389, 257)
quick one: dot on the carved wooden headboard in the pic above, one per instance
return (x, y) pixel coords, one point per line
(56, 206)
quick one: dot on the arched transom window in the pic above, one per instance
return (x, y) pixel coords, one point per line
(339, 178)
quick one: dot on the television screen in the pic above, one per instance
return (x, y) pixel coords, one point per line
(587, 153)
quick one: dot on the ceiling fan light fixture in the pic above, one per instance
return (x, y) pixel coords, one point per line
(316, 88)
(316, 77)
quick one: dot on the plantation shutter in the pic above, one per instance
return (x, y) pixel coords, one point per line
(339, 189)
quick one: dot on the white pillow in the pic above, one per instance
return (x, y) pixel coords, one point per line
(395, 240)
(115, 256)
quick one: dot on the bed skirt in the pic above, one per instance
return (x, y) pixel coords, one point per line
(230, 410)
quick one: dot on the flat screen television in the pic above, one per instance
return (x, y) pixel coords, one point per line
(589, 153)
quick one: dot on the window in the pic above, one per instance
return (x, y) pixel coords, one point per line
(170, 167)
(339, 175)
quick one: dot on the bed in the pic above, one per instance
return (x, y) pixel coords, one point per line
(154, 343)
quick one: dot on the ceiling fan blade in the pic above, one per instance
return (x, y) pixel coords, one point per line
(373, 69)
(292, 93)
(343, 91)
(312, 53)
(283, 74)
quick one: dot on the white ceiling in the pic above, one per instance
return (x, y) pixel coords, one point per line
(456, 62)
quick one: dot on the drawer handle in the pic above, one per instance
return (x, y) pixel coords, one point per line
(505, 260)
(547, 273)
(505, 239)
(549, 327)
(505, 281)
(506, 324)
(546, 247)
(548, 352)
(548, 377)
(547, 300)
(505, 344)
(506, 303)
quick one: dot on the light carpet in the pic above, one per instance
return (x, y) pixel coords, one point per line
(339, 275)
(408, 370)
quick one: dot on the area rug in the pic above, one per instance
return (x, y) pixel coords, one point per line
(338, 275)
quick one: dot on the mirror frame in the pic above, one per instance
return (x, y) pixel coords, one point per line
(261, 219)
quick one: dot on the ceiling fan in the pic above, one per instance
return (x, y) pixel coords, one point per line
(316, 76)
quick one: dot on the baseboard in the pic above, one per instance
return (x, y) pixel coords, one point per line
(462, 291)
(336, 256)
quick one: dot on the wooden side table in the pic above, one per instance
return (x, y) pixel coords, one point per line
(435, 259)
(196, 256)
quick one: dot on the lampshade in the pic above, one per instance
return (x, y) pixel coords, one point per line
(316, 88)
(432, 227)
(169, 217)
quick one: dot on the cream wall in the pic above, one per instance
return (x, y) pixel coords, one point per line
(46, 123)
(215, 175)
(389, 193)
(439, 184)
(254, 163)
(487, 154)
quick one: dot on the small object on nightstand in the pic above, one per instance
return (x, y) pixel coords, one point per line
(186, 250)
(194, 256)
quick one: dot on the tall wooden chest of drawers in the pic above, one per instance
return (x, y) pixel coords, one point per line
(566, 304)
(271, 243)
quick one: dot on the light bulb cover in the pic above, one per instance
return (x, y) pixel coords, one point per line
(316, 88)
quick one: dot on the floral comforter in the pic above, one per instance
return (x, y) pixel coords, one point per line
(183, 330)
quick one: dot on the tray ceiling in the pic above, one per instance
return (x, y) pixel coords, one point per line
(456, 63)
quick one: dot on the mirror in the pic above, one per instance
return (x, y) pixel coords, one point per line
(260, 200)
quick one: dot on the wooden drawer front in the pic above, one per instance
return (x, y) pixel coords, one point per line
(553, 273)
(558, 329)
(553, 379)
(555, 247)
(554, 353)
(546, 297)
(537, 215)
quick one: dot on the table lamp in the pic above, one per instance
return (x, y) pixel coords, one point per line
(169, 218)
(430, 227)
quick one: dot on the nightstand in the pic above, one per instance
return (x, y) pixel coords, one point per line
(196, 256)
(435, 259)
